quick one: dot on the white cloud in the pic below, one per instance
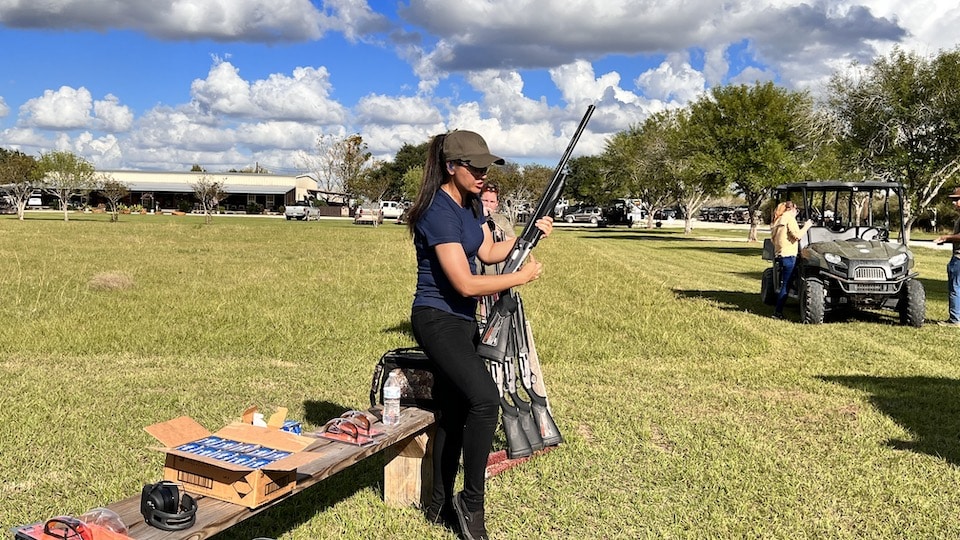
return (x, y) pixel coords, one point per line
(388, 110)
(503, 97)
(70, 108)
(355, 19)
(303, 97)
(223, 91)
(103, 152)
(66, 108)
(674, 79)
(715, 65)
(181, 128)
(665, 54)
(932, 24)
(111, 115)
(275, 135)
(223, 20)
(479, 34)
(383, 141)
(27, 140)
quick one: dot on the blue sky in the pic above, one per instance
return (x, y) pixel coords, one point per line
(164, 84)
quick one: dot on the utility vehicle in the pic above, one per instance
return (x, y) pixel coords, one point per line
(847, 259)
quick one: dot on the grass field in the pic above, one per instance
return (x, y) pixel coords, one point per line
(687, 411)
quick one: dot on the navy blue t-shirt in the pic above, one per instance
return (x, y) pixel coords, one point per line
(445, 222)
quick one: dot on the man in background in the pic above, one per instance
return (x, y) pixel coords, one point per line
(953, 267)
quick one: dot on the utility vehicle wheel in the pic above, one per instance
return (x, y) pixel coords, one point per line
(568, 219)
(593, 220)
(812, 298)
(913, 304)
(768, 289)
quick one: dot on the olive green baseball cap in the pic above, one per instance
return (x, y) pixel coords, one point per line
(468, 147)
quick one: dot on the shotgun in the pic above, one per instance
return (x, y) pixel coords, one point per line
(547, 428)
(511, 417)
(517, 443)
(492, 336)
(524, 412)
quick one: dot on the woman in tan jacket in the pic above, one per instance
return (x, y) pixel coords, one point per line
(786, 234)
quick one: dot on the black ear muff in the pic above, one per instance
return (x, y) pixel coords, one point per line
(163, 508)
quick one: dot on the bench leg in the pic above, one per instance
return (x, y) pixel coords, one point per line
(408, 470)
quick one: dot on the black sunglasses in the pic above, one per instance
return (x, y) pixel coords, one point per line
(477, 172)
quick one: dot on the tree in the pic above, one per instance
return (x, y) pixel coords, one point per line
(518, 187)
(209, 192)
(664, 137)
(19, 174)
(66, 175)
(411, 183)
(354, 167)
(393, 174)
(755, 138)
(322, 165)
(632, 160)
(525, 193)
(591, 179)
(113, 190)
(900, 121)
(342, 165)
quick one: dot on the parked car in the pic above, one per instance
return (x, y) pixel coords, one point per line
(371, 214)
(391, 209)
(35, 200)
(301, 210)
(587, 214)
(624, 212)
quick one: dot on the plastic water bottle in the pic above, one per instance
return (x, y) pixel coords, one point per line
(391, 400)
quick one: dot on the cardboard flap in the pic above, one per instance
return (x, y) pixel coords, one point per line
(277, 418)
(265, 436)
(291, 462)
(178, 431)
(247, 416)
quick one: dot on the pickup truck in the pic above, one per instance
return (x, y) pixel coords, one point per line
(391, 209)
(302, 211)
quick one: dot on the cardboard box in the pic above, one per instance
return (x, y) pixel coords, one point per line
(234, 482)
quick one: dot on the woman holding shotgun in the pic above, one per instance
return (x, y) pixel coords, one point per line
(450, 236)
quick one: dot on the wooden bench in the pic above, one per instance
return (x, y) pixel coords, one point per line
(407, 450)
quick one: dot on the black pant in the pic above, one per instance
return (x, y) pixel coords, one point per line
(467, 400)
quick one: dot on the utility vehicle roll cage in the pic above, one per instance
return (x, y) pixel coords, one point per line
(842, 207)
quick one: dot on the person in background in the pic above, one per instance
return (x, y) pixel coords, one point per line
(498, 224)
(953, 267)
(450, 237)
(786, 234)
(490, 198)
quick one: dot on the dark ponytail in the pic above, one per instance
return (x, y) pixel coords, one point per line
(433, 178)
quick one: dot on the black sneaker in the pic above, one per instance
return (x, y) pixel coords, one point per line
(471, 523)
(778, 316)
(443, 514)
